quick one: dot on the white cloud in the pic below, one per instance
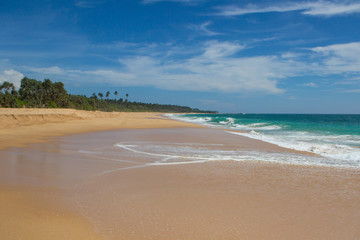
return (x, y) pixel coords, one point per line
(339, 58)
(49, 70)
(110, 76)
(347, 50)
(310, 84)
(290, 55)
(87, 3)
(214, 68)
(202, 73)
(215, 49)
(218, 67)
(183, 1)
(314, 8)
(250, 9)
(203, 29)
(326, 8)
(101, 75)
(352, 91)
(11, 76)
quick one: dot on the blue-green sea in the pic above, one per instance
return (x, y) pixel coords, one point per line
(333, 137)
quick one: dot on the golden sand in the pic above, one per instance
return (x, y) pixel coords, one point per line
(19, 127)
(27, 215)
(49, 191)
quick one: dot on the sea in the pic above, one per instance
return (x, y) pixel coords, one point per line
(333, 139)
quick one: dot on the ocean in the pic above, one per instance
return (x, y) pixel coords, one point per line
(333, 138)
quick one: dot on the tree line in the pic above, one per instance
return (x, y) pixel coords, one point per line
(47, 94)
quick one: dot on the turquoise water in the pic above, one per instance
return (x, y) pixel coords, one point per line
(335, 137)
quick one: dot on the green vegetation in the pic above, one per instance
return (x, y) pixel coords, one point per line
(48, 94)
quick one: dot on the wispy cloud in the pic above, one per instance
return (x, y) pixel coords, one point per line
(181, 1)
(216, 66)
(214, 69)
(202, 73)
(310, 84)
(87, 3)
(48, 70)
(215, 49)
(203, 29)
(352, 91)
(314, 8)
(339, 58)
(326, 8)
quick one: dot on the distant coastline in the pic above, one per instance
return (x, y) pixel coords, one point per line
(47, 94)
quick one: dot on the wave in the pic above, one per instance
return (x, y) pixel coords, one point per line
(343, 154)
(341, 149)
(228, 122)
(185, 154)
(176, 154)
(261, 126)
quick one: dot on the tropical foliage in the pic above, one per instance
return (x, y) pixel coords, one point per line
(48, 94)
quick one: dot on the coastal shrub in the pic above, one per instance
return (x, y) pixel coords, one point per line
(51, 104)
(19, 103)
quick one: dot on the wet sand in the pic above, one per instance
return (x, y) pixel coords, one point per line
(29, 201)
(112, 193)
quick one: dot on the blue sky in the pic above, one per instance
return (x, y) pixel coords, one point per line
(260, 56)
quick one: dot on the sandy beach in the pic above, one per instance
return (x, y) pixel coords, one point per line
(67, 174)
(19, 127)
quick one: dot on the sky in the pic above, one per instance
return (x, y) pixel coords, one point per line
(244, 56)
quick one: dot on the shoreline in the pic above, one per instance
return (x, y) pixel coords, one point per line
(81, 186)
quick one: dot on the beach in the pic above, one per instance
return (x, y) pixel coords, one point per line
(67, 174)
(22, 126)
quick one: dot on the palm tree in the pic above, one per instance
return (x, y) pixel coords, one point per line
(115, 93)
(101, 95)
(107, 94)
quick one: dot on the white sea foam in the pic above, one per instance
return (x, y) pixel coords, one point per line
(257, 124)
(339, 154)
(255, 127)
(176, 154)
(342, 150)
(229, 123)
(197, 120)
(161, 154)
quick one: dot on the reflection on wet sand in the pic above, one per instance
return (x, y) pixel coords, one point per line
(133, 184)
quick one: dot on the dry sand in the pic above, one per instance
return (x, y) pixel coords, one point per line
(52, 190)
(19, 127)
